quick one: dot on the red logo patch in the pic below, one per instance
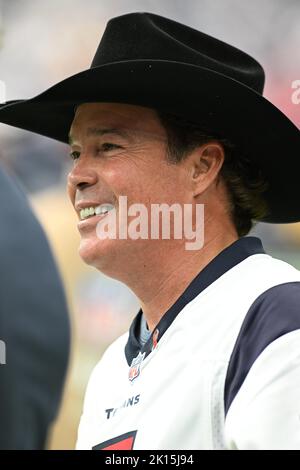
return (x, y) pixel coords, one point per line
(135, 367)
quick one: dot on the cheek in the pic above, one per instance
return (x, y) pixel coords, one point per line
(168, 185)
(71, 192)
(127, 179)
(146, 182)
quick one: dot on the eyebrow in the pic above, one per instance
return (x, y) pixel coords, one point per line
(97, 131)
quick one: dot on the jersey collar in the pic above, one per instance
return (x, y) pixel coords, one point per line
(223, 262)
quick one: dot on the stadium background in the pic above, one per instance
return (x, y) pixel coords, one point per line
(44, 41)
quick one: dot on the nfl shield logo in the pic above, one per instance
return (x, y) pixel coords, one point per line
(135, 367)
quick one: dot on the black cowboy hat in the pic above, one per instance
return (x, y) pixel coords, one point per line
(147, 60)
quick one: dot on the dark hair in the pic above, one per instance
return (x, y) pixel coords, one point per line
(244, 182)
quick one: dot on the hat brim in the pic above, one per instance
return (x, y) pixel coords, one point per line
(215, 101)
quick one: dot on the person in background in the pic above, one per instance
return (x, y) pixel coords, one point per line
(34, 325)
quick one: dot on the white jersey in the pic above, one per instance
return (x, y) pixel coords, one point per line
(220, 371)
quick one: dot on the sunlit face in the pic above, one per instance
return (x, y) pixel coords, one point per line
(119, 150)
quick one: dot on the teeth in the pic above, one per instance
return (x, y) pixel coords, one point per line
(98, 210)
(103, 209)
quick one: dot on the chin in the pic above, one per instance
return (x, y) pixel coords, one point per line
(96, 252)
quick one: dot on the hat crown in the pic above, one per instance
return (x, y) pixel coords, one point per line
(136, 36)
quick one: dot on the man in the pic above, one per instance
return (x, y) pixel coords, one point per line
(168, 115)
(34, 325)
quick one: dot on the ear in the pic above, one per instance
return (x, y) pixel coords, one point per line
(205, 164)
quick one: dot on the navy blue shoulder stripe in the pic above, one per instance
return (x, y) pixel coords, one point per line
(273, 314)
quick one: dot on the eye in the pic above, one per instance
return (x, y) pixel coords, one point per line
(74, 155)
(106, 146)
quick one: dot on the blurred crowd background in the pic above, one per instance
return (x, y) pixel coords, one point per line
(43, 42)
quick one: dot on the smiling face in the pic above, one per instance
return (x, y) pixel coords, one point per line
(119, 150)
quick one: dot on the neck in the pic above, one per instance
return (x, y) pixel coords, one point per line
(159, 284)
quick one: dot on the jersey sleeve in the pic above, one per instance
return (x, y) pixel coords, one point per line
(92, 406)
(265, 413)
(88, 421)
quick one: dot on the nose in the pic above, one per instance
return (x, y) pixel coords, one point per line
(82, 176)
